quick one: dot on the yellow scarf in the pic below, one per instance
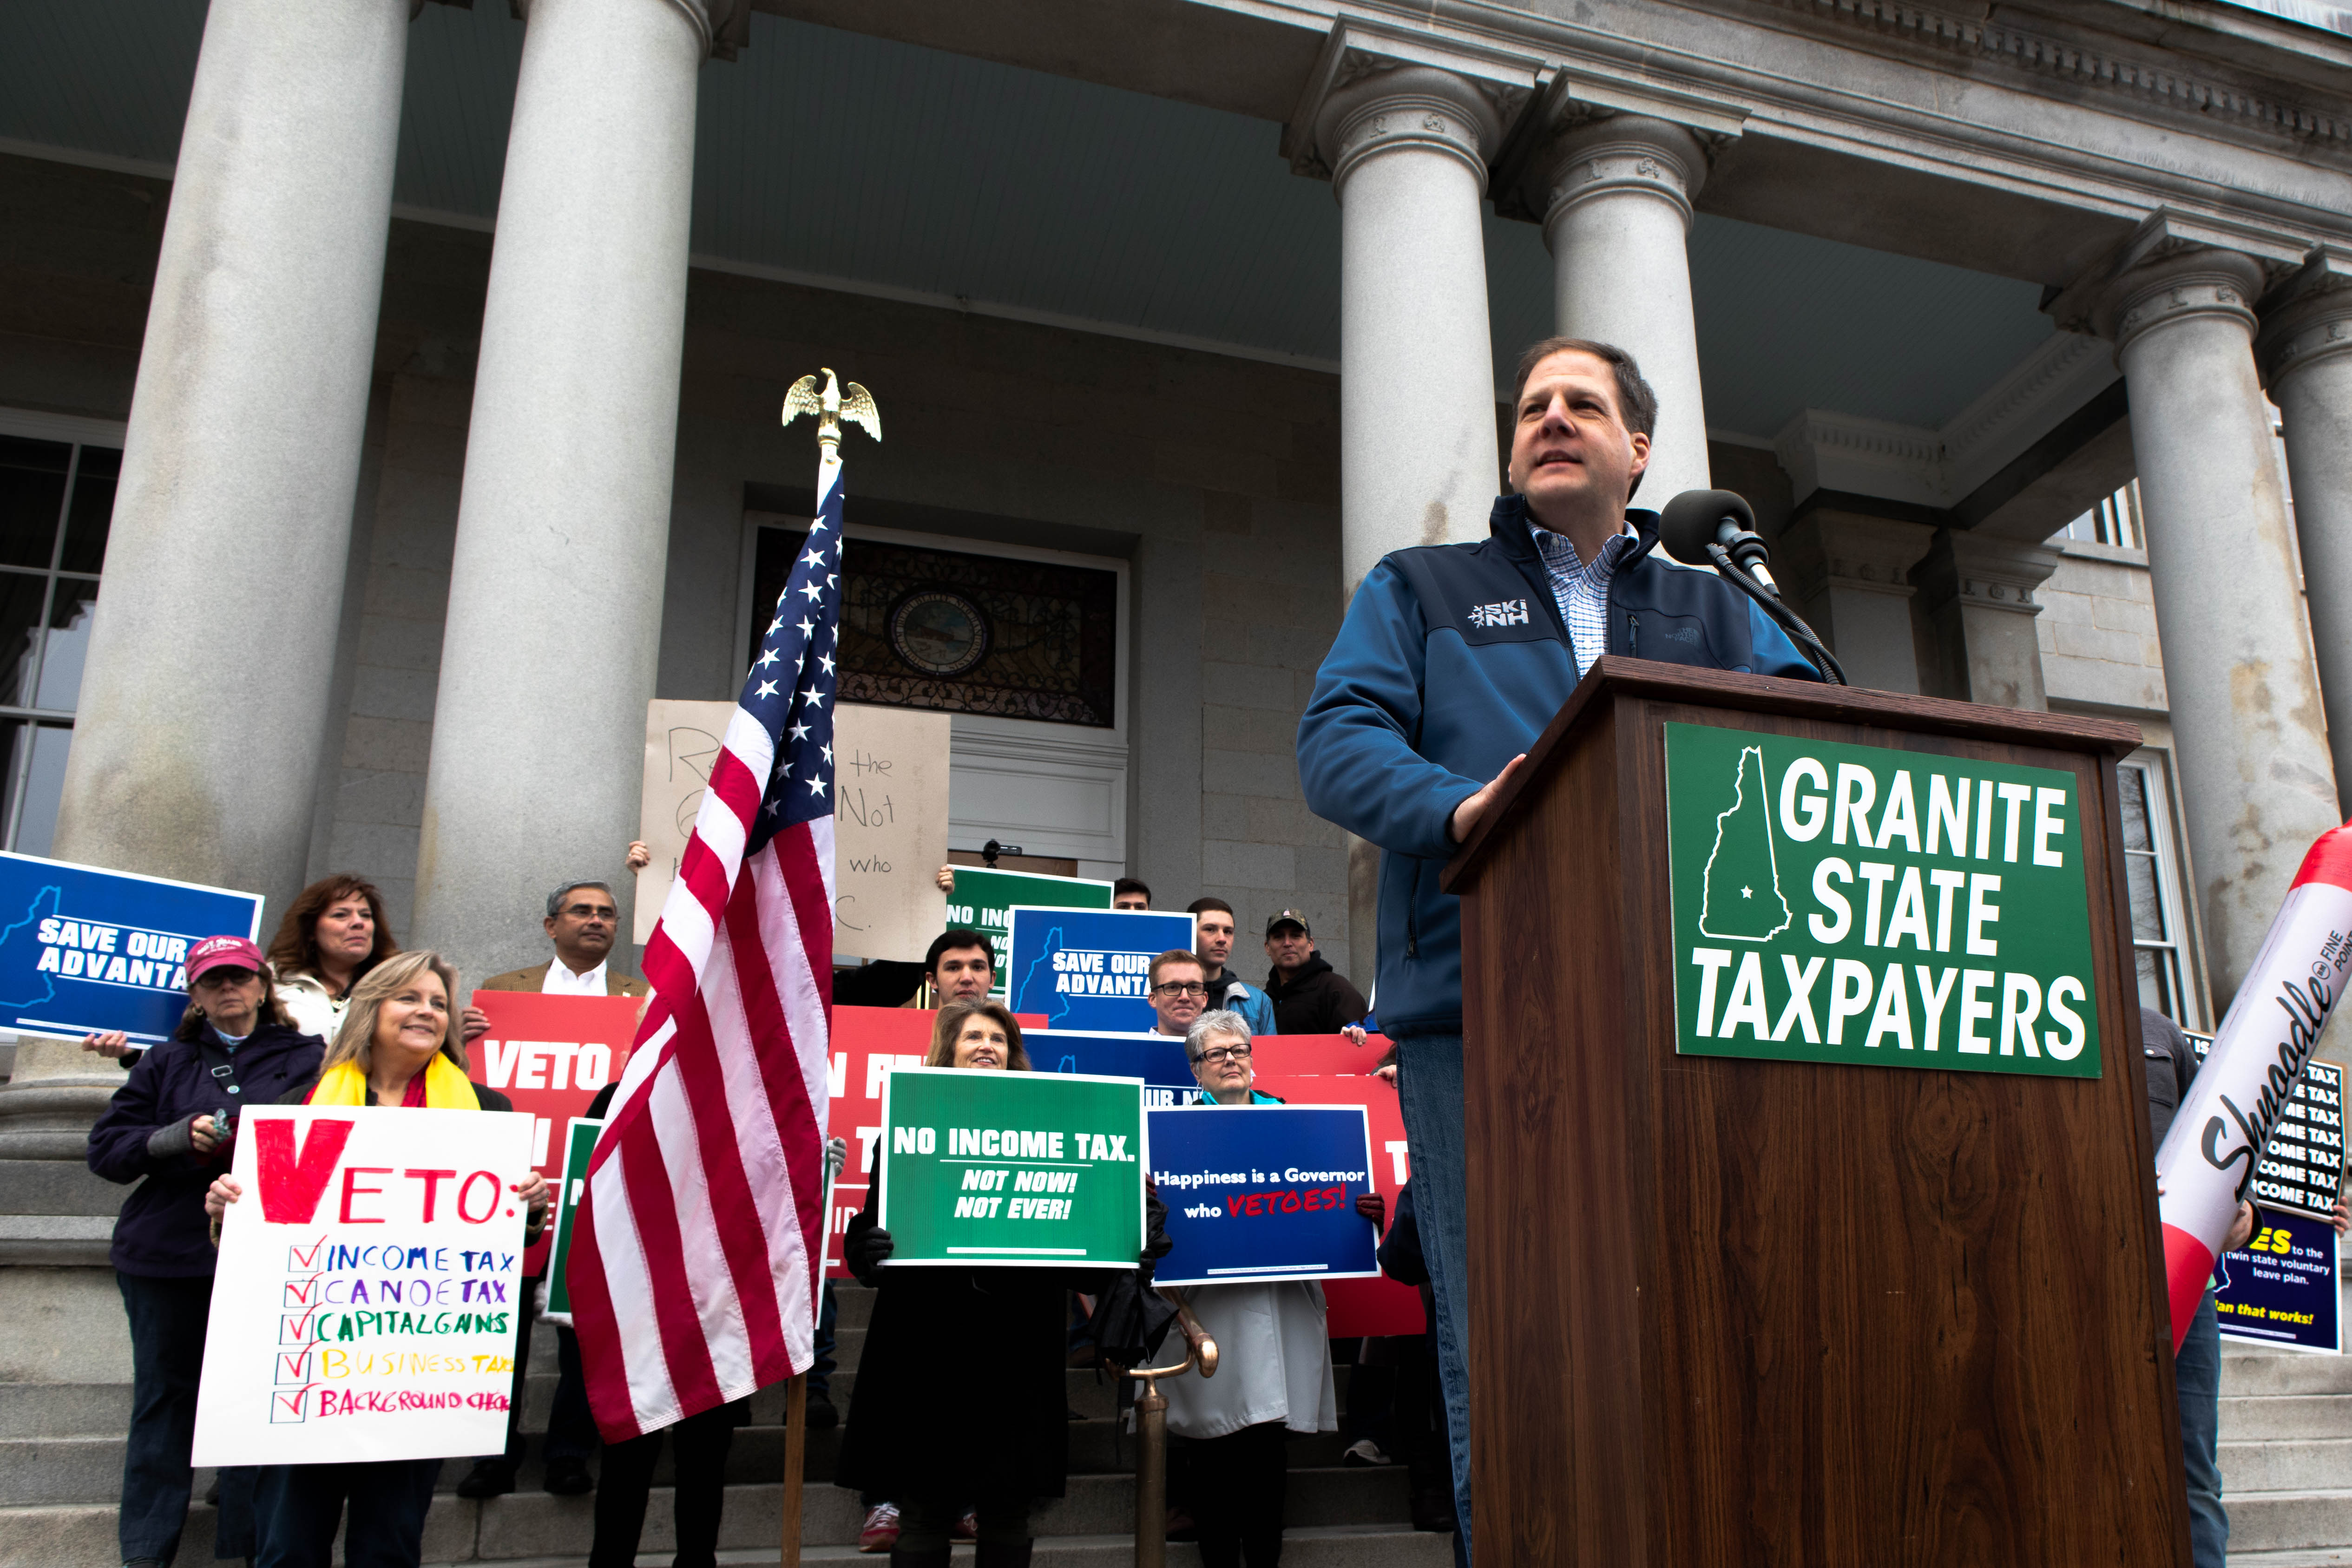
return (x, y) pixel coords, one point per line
(446, 1088)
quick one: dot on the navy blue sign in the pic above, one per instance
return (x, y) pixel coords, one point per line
(1158, 1059)
(1263, 1192)
(84, 949)
(1089, 968)
(2281, 1289)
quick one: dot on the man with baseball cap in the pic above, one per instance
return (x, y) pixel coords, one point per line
(1309, 996)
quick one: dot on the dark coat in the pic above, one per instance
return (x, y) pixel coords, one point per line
(961, 1393)
(163, 1231)
(1315, 1000)
(2171, 1066)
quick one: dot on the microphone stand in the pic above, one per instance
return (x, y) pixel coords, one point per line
(1766, 595)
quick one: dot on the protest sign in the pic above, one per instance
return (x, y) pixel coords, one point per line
(579, 1145)
(1263, 1192)
(550, 1055)
(368, 1289)
(2280, 1288)
(890, 817)
(1872, 906)
(1089, 968)
(1158, 1059)
(984, 900)
(1026, 1168)
(2301, 1166)
(1379, 1306)
(85, 950)
(868, 1042)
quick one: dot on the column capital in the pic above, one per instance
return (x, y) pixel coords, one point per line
(2307, 318)
(1985, 574)
(2171, 269)
(1378, 88)
(1852, 552)
(1586, 139)
(723, 26)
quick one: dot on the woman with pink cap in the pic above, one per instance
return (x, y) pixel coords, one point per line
(169, 1128)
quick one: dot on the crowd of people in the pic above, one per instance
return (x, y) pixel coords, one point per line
(1413, 730)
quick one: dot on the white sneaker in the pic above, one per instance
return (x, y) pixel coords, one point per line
(1364, 1451)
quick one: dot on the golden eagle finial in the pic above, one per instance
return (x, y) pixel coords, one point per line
(830, 408)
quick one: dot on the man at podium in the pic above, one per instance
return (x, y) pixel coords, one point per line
(1452, 659)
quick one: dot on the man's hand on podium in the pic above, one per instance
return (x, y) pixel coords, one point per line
(1467, 815)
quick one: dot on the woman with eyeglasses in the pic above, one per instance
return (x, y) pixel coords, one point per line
(960, 1395)
(170, 1128)
(1274, 1369)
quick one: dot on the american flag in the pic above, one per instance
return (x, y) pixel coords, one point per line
(696, 1249)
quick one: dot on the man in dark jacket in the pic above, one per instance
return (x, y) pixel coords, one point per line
(1309, 996)
(1450, 663)
(2197, 1370)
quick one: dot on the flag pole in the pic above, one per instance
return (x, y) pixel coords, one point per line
(795, 1423)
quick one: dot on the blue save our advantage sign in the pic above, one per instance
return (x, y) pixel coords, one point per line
(2280, 1288)
(1158, 1059)
(1263, 1192)
(1089, 968)
(83, 949)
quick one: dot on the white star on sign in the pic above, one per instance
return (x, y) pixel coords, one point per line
(767, 689)
(1746, 893)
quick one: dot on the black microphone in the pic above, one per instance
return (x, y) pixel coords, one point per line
(1698, 518)
(1717, 528)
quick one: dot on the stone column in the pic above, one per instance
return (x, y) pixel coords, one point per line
(1617, 217)
(1979, 596)
(555, 593)
(1407, 149)
(2305, 347)
(203, 703)
(1850, 575)
(2257, 783)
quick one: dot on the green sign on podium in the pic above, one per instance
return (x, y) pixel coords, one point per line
(1869, 905)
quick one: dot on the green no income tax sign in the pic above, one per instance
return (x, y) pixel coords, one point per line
(988, 1167)
(1861, 904)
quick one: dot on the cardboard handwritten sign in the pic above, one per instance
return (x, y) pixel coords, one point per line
(367, 1295)
(550, 1055)
(890, 817)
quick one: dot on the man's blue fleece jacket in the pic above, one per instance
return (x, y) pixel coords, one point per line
(1452, 659)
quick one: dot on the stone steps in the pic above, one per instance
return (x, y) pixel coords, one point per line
(2286, 1458)
(1331, 1546)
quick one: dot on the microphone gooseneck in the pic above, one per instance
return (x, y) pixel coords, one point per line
(1717, 528)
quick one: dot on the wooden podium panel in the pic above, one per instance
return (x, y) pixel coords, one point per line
(1734, 1312)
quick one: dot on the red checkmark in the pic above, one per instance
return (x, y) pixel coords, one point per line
(287, 1407)
(294, 1368)
(298, 1327)
(300, 1258)
(302, 1292)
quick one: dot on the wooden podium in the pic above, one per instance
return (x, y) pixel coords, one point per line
(1729, 1311)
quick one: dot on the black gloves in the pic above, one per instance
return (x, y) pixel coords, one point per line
(1156, 1242)
(867, 1252)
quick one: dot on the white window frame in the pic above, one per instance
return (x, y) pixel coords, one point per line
(79, 432)
(2154, 765)
(994, 762)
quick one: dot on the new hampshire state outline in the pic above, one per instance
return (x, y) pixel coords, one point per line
(1741, 901)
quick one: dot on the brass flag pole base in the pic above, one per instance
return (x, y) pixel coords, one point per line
(1151, 1439)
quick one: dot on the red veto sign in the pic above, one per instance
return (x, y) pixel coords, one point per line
(550, 1055)
(1326, 1070)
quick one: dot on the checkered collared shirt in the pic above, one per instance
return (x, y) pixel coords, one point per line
(1581, 591)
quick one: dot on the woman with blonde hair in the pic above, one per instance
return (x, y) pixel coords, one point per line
(1003, 1439)
(396, 1049)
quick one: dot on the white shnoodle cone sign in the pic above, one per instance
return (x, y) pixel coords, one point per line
(2206, 1163)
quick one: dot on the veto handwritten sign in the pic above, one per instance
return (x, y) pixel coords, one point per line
(84, 949)
(1263, 1192)
(890, 817)
(366, 1300)
(550, 1055)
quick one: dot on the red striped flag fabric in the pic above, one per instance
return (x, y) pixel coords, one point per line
(696, 1250)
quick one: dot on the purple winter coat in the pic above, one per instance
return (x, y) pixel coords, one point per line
(162, 1232)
